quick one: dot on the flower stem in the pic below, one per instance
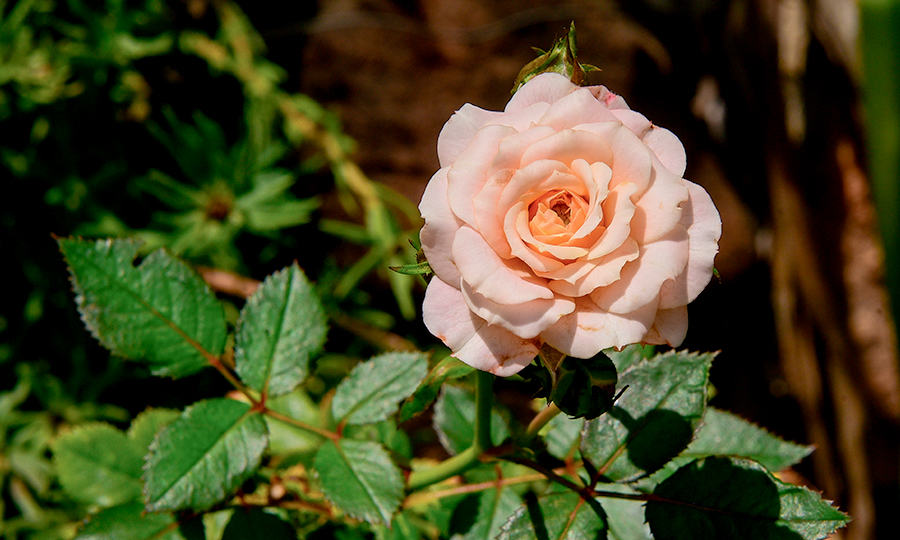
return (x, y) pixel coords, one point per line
(545, 415)
(481, 442)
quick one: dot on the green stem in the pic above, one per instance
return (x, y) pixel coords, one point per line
(466, 459)
(545, 415)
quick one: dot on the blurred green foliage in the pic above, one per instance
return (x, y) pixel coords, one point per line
(164, 121)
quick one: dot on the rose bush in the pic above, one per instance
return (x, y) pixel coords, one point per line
(562, 220)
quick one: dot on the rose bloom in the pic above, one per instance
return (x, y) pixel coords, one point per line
(563, 220)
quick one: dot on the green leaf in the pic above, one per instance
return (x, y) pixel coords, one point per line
(98, 465)
(630, 355)
(147, 424)
(256, 524)
(428, 390)
(360, 479)
(373, 390)
(280, 329)
(653, 420)
(454, 420)
(129, 522)
(558, 516)
(495, 506)
(729, 498)
(200, 458)
(563, 436)
(723, 433)
(159, 312)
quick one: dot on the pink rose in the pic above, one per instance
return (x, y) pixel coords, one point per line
(562, 220)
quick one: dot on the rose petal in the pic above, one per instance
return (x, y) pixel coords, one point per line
(459, 131)
(470, 171)
(619, 206)
(525, 320)
(634, 121)
(596, 177)
(667, 148)
(545, 88)
(568, 145)
(659, 208)
(578, 107)
(590, 329)
(502, 281)
(642, 279)
(669, 328)
(533, 259)
(598, 273)
(472, 339)
(440, 227)
(704, 227)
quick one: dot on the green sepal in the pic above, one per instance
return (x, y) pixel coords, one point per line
(562, 58)
(418, 269)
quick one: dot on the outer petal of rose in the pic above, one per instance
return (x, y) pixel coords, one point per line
(471, 338)
(459, 131)
(607, 98)
(643, 278)
(471, 170)
(511, 148)
(483, 270)
(546, 87)
(568, 145)
(659, 208)
(525, 320)
(633, 120)
(600, 273)
(522, 119)
(669, 328)
(704, 226)
(590, 329)
(440, 228)
(578, 107)
(667, 148)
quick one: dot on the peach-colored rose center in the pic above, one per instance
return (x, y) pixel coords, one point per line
(556, 215)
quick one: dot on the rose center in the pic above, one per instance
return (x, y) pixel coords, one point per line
(563, 210)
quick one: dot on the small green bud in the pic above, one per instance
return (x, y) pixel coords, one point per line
(561, 58)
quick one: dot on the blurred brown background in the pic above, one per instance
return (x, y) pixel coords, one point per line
(763, 94)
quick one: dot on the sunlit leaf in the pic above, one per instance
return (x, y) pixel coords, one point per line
(159, 312)
(374, 389)
(495, 506)
(281, 327)
(563, 436)
(200, 458)
(360, 479)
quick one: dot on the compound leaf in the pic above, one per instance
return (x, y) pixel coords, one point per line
(159, 312)
(653, 420)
